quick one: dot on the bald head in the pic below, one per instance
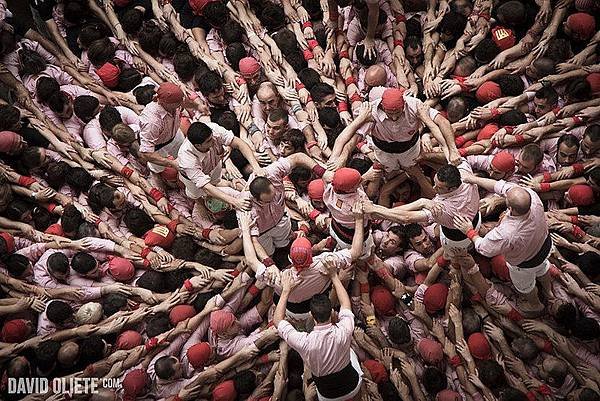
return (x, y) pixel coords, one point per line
(68, 354)
(266, 90)
(519, 200)
(375, 76)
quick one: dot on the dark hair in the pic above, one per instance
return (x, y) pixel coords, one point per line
(588, 263)
(185, 65)
(58, 102)
(58, 263)
(412, 230)
(71, 219)
(45, 88)
(492, 375)
(286, 41)
(544, 66)
(485, 51)
(320, 308)
(313, 7)
(17, 208)
(101, 196)
(548, 93)
(31, 63)
(144, 94)
(587, 394)
(42, 218)
(75, 11)
(272, 17)
(329, 117)
(512, 13)
(85, 107)
(208, 258)
(527, 349)
(366, 60)
(56, 174)
(457, 108)
(244, 383)
(471, 321)
(209, 82)
(363, 16)
(234, 52)
(320, 91)
(198, 133)
(512, 118)
(92, 349)
(108, 117)
(434, 380)
(449, 175)
(129, 79)
(296, 60)
(9, 116)
(87, 229)
(453, 24)
(157, 324)
(399, 331)
(532, 151)
(16, 264)
(300, 173)
(228, 120)
(101, 51)
(559, 50)
(569, 140)
(59, 311)
(510, 85)
(8, 42)
(149, 37)
(309, 77)
(83, 262)
(202, 299)
(46, 353)
(138, 221)
(153, 281)
(168, 44)
(578, 90)
(259, 186)
(360, 164)
(216, 14)
(586, 329)
(184, 247)
(296, 138)
(80, 179)
(113, 303)
(91, 32)
(132, 20)
(232, 32)
(164, 367)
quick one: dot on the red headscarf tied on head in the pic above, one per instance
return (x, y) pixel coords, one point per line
(393, 99)
(581, 195)
(434, 298)
(15, 331)
(301, 253)
(248, 66)
(487, 92)
(583, 25)
(121, 269)
(221, 320)
(198, 5)
(479, 346)
(9, 141)
(346, 180)
(198, 355)
(316, 189)
(168, 92)
(134, 384)
(376, 370)
(594, 81)
(448, 395)
(504, 162)
(129, 339)
(9, 240)
(109, 74)
(224, 391)
(430, 350)
(383, 301)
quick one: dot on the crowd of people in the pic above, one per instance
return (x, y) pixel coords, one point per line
(324, 200)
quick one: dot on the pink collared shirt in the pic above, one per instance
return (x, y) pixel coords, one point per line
(157, 126)
(518, 238)
(463, 201)
(340, 205)
(269, 214)
(355, 32)
(198, 166)
(326, 349)
(92, 133)
(11, 60)
(401, 130)
(226, 347)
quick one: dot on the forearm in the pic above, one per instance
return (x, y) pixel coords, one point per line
(341, 293)
(280, 309)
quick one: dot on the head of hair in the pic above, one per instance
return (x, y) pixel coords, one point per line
(144, 94)
(259, 186)
(198, 133)
(132, 20)
(512, 13)
(85, 107)
(45, 88)
(449, 175)
(202, 299)
(100, 196)
(360, 164)
(129, 79)
(525, 348)
(101, 51)
(329, 117)
(216, 14)
(457, 108)
(149, 38)
(56, 174)
(544, 66)
(208, 258)
(209, 82)
(153, 281)
(109, 117)
(320, 91)
(71, 219)
(75, 11)
(112, 303)
(434, 380)
(587, 394)
(272, 17)
(232, 32)
(46, 353)
(295, 138)
(138, 221)
(309, 77)
(578, 90)
(485, 51)
(588, 263)
(165, 367)
(83, 262)
(157, 324)
(184, 247)
(586, 329)
(92, 349)
(58, 263)
(234, 52)
(510, 85)
(366, 60)
(512, 118)
(16, 264)
(399, 331)
(42, 218)
(471, 321)
(87, 229)
(296, 60)
(59, 311)
(30, 62)
(559, 50)
(89, 33)
(412, 230)
(228, 120)
(453, 24)
(533, 152)
(244, 383)
(8, 42)
(185, 64)
(9, 116)
(286, 41)
(363, 17)
(548, 93)
(492, 375)
(320, 308)
(168, 44)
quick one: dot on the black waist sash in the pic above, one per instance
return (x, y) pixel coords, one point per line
(162, 145)
(297, 307)
(395, 147)
(337, 384)
(346, 234)
(540, 256)
(457, 235)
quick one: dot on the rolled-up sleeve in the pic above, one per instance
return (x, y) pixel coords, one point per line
(502, 187)
(494, 243)
(291, 336)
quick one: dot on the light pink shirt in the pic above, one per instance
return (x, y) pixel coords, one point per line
(157, 126)
(11, 60)
(326, 349)
(518, 238)
(92, 133)
(340, 205)
(199, 166)
(355, 32)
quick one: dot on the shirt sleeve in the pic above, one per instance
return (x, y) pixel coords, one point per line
(290, 335)
(502, 187)
(148, 126)
(492, 244)
(346, 322)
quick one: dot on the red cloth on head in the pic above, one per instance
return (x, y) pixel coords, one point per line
(134, 382)
(376, 370)
(168, 92)
(170, 174)
(448, 395)
(221, 320)
(159, 236)
(55, 229)
(181, 312)
(129, 339)
(301, 253)
(479, 346)
(594, 81)
(198, 5)
(248, 66)
(500, 268)
(315, 189)
(199, 354)
(10, 242)
(9, 141)
(393, 99)
(15, 331)
(504, 38)
(582, 24)
(224, 391)
(346, 180)
(109, 74)
(581, 195)
(487, 92)
(383, 301)
(430, 350)
(121, 269)
(487, 131)
(434, 298)
(503, 161)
